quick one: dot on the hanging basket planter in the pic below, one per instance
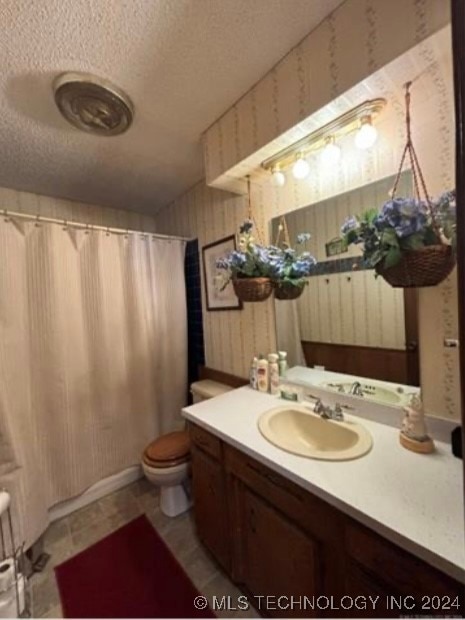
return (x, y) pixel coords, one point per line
(427, 266)
(285, 291)
(410, 241)
(252, 289)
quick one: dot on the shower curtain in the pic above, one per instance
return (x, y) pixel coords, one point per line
(93, 358)
(288, 337)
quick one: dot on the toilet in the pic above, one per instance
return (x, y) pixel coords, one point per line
(166, 460)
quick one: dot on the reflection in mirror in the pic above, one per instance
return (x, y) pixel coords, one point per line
(348, 321)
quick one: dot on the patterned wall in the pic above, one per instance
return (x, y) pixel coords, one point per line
(47, 206)
(232, 338)
(355, 41)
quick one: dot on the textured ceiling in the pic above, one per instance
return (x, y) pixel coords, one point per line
(183, 63)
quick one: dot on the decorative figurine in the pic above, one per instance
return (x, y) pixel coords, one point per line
(414, 435)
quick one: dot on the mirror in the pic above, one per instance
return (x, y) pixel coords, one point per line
(348, 321)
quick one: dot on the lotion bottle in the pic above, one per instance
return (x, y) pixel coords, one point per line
(274, 373)
(262, 374)
(253, 373)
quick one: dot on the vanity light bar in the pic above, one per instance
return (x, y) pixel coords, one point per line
(346, 123)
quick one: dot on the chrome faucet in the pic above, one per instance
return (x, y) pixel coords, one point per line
(356, 389)
(326, 412)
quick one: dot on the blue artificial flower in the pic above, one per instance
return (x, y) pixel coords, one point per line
(289, 253)
(351, 223)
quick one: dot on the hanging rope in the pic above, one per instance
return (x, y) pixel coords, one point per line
(282, 228)
(418, 178)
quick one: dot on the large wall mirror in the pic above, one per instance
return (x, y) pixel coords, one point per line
(348, 320)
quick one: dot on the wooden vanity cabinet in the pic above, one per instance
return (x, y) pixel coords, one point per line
(209, 490)
(276, 539)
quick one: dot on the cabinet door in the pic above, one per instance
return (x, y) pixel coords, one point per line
(279, 559)
(210, 507)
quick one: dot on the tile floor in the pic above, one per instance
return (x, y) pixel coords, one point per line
(83, 528)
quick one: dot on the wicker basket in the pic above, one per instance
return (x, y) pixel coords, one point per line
(426, 266)
(252, 289)
(287, 291)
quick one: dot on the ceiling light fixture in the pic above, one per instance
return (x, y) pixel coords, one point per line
(279, 178)
(301, 168)
(367, 134)
(93, 104)
(359, 119)
(331, 154)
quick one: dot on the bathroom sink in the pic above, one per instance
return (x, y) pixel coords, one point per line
(370, 392)
(298, 430)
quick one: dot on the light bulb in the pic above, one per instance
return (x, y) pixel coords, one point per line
(300, 169)
(278, 178)
(331, 154)
(366, 135)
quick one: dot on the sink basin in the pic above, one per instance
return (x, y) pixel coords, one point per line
(298, 430)
(370, 392)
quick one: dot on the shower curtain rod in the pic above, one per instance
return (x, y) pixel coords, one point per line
(109, 229)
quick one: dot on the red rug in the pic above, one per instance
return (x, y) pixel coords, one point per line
(129, 574)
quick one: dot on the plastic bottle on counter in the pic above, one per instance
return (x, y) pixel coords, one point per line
(273, 368)
(262, 374)
(253, 373)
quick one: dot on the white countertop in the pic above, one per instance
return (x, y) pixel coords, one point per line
(414, 500)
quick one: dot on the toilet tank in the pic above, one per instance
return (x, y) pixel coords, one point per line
(205, 389)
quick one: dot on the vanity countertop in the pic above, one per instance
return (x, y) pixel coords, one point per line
(414, 500)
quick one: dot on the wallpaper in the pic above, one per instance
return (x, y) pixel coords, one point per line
(355, 41)
(47, 206)
(232, 338)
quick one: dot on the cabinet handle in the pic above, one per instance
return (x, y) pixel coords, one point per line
(277, 483)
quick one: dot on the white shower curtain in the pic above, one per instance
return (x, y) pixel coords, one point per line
(93, 357)
(288, 337)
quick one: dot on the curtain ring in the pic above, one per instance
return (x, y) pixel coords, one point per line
(65, 224)
(126, 236)
(37, 220)
(87, 229)
(108, 231)
(5, 213)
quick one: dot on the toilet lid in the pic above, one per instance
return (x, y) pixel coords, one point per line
(165, 464)
(171, 447)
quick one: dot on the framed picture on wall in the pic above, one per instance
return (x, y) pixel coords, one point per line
(218, 299)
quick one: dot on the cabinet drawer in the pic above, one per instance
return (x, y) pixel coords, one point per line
(400, 571)
(308, 511)
(205, 440)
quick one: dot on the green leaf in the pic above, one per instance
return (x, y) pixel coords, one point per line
(351, 237)
(413, 242)
(368, 216)
(393, 257)
(389, 238)
(430, 237)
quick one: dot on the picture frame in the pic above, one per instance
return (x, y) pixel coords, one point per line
(218, 300)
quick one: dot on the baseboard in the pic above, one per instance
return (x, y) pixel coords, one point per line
(95, 492)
